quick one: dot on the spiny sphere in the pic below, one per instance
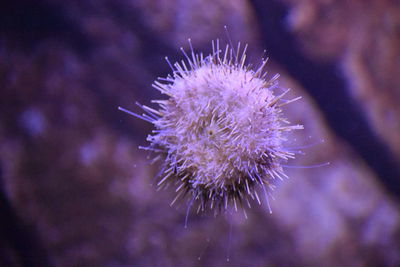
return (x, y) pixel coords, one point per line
(221, 130)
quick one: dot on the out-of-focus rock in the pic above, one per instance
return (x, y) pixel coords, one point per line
(364, 38)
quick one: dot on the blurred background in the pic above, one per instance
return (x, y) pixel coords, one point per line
(76, 191)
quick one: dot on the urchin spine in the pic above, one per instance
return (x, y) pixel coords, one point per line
(221, 130)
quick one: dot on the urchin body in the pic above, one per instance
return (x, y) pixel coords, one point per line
(221, 130)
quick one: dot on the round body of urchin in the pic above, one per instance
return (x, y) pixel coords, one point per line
(221, 131)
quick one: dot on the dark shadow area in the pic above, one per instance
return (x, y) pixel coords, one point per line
(27, 23)
(21, 240)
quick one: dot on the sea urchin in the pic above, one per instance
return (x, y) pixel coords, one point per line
(220, 132)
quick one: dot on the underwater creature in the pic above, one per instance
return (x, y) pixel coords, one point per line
(220, 131)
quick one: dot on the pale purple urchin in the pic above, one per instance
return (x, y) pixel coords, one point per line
(221, 130)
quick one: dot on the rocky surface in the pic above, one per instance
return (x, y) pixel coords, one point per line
(76, 191)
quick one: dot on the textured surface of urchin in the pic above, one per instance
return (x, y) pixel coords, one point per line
(221, 130)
